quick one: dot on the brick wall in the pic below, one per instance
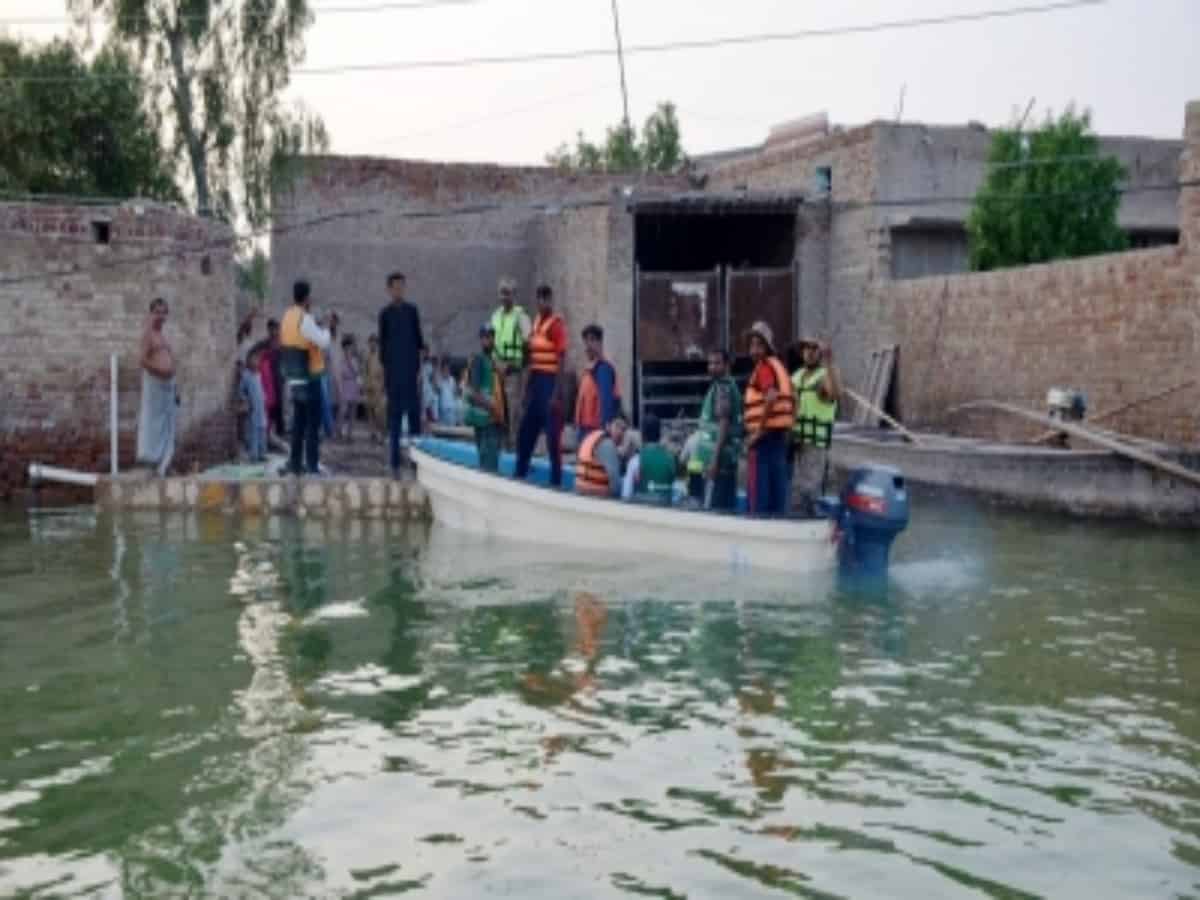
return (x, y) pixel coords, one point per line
(521, 224)
(59, 330)
(1118, 327)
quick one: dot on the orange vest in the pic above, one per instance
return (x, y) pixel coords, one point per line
(783, 411)
(290, 338)
(588, 413)
(591, 477)
(543, 355)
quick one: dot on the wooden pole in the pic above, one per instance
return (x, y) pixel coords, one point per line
(1087, 434)
(1117, 410)
(867, 404)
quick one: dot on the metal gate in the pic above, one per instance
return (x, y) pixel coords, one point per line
(767, 295)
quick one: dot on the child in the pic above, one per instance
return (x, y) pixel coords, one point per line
(349, 393)
(376, 409)
(251, 392)
(447, 390)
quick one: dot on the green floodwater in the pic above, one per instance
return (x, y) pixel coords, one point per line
(190, 707)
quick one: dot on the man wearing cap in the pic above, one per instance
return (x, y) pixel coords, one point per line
(487, 410)
(769, 417)
(817, 387)
(511, 326)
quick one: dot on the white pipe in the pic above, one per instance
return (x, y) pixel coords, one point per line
(112, 422)
(38, 472)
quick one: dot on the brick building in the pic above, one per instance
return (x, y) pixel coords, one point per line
(75, 287)
(818, 230)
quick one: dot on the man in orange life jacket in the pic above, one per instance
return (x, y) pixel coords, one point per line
(598, 466)
(599, 394)
(769, 416)
(546, 348)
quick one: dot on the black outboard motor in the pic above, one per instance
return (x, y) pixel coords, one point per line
(873, 511)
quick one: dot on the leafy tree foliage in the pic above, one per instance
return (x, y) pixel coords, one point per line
(68, 126)
(1049, 194)
(660, 148)
(219, 69)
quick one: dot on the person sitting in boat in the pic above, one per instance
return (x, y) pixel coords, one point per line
(599, 395)
(598, 462)
(486, 407)
(770, 415)
(650, 475)
(817, 387)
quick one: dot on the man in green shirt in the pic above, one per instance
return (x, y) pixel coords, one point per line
(650, 476)
(817, 388)
(486, 410)
(719, 443)
(511, 325)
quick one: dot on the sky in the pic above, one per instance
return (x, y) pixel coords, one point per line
(1130, 61)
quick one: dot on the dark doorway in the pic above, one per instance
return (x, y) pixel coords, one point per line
(696, 242)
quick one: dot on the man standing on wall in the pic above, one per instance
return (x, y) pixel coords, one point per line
(511, 326)
(817, 388)
(301, 341)
(770, 415)
(599, 397)
(401, 346)
(160, 397)
(544, 389)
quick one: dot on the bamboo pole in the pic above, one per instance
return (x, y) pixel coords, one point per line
(1117, 410)
(867, 404)
(1095, 437)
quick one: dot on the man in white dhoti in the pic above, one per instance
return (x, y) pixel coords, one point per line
(156, 423)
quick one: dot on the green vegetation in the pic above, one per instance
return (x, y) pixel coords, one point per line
(659, 149)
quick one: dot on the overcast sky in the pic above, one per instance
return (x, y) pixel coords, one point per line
(1131, 61)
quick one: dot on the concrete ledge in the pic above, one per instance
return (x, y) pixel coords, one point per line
(365, 498)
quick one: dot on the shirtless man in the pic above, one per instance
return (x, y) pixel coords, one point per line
(156, 424)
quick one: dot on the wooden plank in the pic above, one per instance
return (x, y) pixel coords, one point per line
(1116, 446)
(1117, 410)
(884, 384)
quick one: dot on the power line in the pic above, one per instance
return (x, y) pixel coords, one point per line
(317, 11)
(552, 207)
(665, 47)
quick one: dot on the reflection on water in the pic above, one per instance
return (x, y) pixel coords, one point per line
(192, 707)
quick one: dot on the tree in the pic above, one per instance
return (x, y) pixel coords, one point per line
(254, 275)
(72, 127)
(659, 150)
(1049, 194)
(219, 68)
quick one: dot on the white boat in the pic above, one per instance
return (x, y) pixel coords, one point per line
(462, 497)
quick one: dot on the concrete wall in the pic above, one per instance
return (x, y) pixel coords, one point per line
(453, 229)
(59, 330)
(1118, 327)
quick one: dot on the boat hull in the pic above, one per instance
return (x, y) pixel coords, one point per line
(470, 500)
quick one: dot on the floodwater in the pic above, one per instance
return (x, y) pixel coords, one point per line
(190, 707)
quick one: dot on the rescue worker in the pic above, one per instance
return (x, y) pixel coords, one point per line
(598, 463)
(770, 414)
(720, 436)
(817, 388)
(650, 475)
(302, 363)
(483, 392)
(510, 323)
(599, 396)
(544, 390)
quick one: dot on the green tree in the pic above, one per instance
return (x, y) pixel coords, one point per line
(1049, 194)
(220, 68)
(254, 275)
(660, 148)
(68, 126)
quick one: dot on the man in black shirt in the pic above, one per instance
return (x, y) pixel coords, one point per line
(400, 348)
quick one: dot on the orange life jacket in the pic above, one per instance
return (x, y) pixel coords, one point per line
(543, 354)
(291, 339)
(783, 411)
(588, 410)
(591, 477)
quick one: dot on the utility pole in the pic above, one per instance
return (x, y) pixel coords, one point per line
(621, 62)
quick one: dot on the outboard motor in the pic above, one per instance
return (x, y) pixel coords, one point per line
(873, 510)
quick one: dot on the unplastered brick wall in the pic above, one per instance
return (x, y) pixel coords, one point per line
(1119, 327)
(75, 287)
(453, 228)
